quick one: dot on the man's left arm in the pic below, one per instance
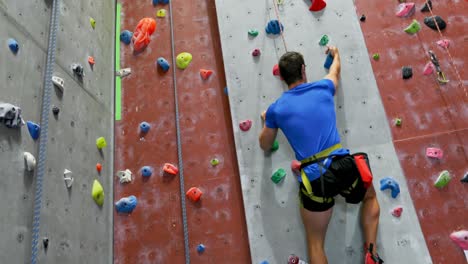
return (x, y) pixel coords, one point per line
(267, 136)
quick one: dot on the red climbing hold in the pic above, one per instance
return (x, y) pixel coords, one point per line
(194, 194)
(245, 125)
(296, 167)
(276, 71)
(171, 169)
(99, 167)
(396, 212)
(317, 5)
(141, 36)
(91, 60)
(205, 74)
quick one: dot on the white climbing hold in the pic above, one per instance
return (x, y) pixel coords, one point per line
(29, 161)
(68, 178)
(123, 72)
(58, 82)
(125, 176)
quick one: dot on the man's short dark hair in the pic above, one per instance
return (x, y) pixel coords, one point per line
(290, 66)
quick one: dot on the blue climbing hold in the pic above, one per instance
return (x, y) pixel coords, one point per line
(200, 248)
(126, 37)
(155, 2)
(390, 183)
(34, 129)
(126, 204)
(273, 27)
(13, 45)
(164, 64)
(146, 171)
(328, 61)
(264, 262)
(226, 91)
(145, 127)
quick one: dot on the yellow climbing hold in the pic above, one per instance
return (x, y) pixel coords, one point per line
(101, 143)
(161, 13)
(92, 22)
(183, 60)
(98, 193)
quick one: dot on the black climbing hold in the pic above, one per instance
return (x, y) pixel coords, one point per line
(407, 72)
(78, 70)
(427, 6)
(363, 18)
(55, 110)
(465, 178)
(45, 242)
(435, 21)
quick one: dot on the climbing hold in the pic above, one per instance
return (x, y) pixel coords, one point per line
(405, 9)
(58, 82)
(146, 171)
(13, 45)
(461, 239)
(264, 262)
(200, 248)
(161, 13)
(45, 242)
(92, 22)
(144, 127)
(98, 193)
(101, 142)
(444, 43)
(362, 18)
(278, 176)
(427, 6)
(293, 259)
(163, 63)
(296, 167)
(214, 162)
(67, 177)
(123, 72)
(34, 129)
(29, 161)
(328, 61)
(435, 153)
(125, 176)
(256, 52)
(376, 56)
(142, 33)
(276, 71)
(253, 32)
(98, 167)
(205, 74)
(155, 2)
(429, 68)
(317, 5)
(465, 178)
(443, 179)
(170, 168)
(126, 204)
(390, 183)
(413, 28)
(126, 37)
(183, 60)
(435, 21)
(55, 110)
(274, 27)
(398, 122)
(275, 145)
(323, 40)
(91, 60)
(194, 194)
(226, 92)
(245, 125)
(78, 70)
(396, 212)
(407, 72)
(10, 115)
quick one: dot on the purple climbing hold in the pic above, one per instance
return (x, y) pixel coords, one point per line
(435, 22)
(34, 129)
(13, 45)
(390, 183)
(407, 72)
(126, 37)
(274, 27)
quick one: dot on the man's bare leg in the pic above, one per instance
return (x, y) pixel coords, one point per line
(370, 212)
(316, 224)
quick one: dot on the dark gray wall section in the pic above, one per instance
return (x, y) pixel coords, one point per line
(79, 231)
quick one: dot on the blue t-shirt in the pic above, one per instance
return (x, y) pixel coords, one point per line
(306, 115)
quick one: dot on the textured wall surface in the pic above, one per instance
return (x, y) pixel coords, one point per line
(78, 230)
(274, 225)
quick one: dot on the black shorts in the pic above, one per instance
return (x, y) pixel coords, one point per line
(342, 177)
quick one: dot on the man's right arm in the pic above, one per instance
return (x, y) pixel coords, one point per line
(335, 68)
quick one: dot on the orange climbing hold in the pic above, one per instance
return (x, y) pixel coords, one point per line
(171, 169)
(317, 5)
(205, 74)
(91, 60)
(99, 167)
(142, 34)
(194, 194)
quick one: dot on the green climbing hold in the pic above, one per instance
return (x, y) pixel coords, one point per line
(275, 146)
(443, 179)
(278, 176)
(398, 121)
(413, 28)
(253, 32)
(92, 22)
(98, 193)
(323, 40)
(214, 162)
(376, 56)
(183, 60)
(101, 143)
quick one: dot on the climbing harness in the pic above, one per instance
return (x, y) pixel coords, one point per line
(440, 75)
(42, 157)
(179, 143)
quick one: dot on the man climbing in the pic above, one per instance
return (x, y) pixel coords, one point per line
(306, 115)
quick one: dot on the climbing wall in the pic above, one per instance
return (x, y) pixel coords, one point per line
(273, 221)
(78, 230)
(153, 232)
(433, 115)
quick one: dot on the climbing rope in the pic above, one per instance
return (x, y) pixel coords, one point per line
(44, 129)
(179, 143)
(275, 4)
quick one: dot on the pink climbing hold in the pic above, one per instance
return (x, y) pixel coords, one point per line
(317, 5)
(245, 125)
(405, 9)
(296, 167)
(429, 68)
(276, 71)
(256, 52)
(460, 238)
(435, 153)
(396, 212)
(444, 43)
